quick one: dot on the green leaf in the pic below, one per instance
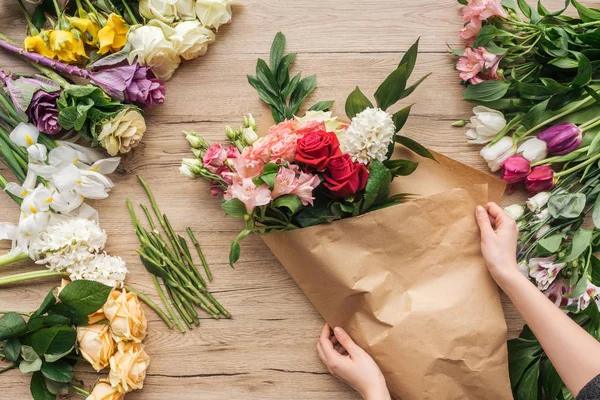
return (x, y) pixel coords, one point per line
(390, 91)
(55, 357)
(410, 58)
(586, 14)
(521, 354)
(552, 243)
(291, 86)
(86, 297)
(235, 251)
(64, 310)
(534, 115)
(584, 71)
(414, 146)
(289, 201)
(269, 174)
(31, 361)
(234, 207)
(580, 243)
(401, 167)
(529, 12)
(412, 88)
(564, 63)
(53, 340)
(283, 73)
(38, 388)
(486, 91)
(48, 302)
(378, 185)
(36, 323)
(152, 267)
(595, 270)
(356, 103)
(310, 216)
(12, 325)
(266, 77)
(277, 51)
(550, 380)
(568, 205)
(305, 87)
(58, 371)
(401, 117)
(596, 210)
(579, 289)
(12, 349)
(528, 387)
(322, 106)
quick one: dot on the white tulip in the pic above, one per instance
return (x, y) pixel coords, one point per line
(24, 135)
(37, 201)
(151, 48)
(213, 13)
(496, 154)
(515, 211)
(185, 9)
(162, 10)
(485, 124)
(533, 150)
(191, 39)
(537, 202)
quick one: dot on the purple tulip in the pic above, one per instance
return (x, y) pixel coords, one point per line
(562, 138)
(43, 112)
(145, 89)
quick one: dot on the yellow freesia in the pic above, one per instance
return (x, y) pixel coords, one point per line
(67, 47)
(37, 44)
(113, 36)
(88, 28)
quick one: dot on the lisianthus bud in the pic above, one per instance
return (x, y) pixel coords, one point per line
(540, 179)
(249, 135)
(496, 154)
(515, 169)
(43, 112)
(230, 133)
(249, 122)
(195, 140)
(533, 150)
(562, 138)
(191, 167)
(515, 211)
(537, 202)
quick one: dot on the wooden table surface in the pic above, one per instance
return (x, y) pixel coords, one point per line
(267, 351)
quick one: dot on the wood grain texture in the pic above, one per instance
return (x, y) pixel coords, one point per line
(267, 350)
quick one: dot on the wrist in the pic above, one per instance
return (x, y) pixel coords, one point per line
(377, 391)
(507, 274)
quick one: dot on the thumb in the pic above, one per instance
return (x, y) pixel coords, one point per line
(345, 340)
(483, 220)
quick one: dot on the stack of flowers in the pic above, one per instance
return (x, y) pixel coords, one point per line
(537, 114)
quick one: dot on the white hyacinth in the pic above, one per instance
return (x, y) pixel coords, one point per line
(368, 136)
(108, 270)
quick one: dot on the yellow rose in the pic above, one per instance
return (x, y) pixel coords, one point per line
(37, 44)
(123, 132)
(87, 27)
(96, 345)
(113, 36)
(126, 316)
(67, 47)
(104, 391)
(128, 367)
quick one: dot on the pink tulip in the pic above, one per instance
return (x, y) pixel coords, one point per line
(515, 169)
(540, 179)
(248, 193)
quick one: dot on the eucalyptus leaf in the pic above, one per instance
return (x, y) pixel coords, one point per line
(567, 205)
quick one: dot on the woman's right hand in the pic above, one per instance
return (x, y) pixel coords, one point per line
(499, 235)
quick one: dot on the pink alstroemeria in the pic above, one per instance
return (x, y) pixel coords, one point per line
(286, 182)
(483, 9)
(248, 193)
(559, 291)
(477, 65)
(544, 271)
(248, 167)
(470, 30)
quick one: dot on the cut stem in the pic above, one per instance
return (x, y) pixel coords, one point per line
(200, 253)
(27, 276)
(152, 305)
(11, 258)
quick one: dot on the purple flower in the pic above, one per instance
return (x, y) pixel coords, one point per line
(43, 112)
(562, 138)
(145, 89)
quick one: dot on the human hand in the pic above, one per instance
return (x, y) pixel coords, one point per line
(499, 235)
(351, 364)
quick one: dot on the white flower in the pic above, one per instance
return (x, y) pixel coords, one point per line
(152, 48)
(542, 215)
(331, 123)
(485, 124)
(515, 211)
(190, 167)
(213, 13)
(542, 231)
(537, 202)
(533, 150)
(191, 39)
(108, 270)
(368, 136)
(123, 132)
(24, 135)
(496, 154)
(163, 10)
(185, 9)
(524, 269)
(249, 135)
(544, 271)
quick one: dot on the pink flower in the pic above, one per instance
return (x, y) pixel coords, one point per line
(284, 149)
(286, 182)
(248, 193)
(216, 191)
(247, 167)
(544, 271)
(232, 152)
(558, 293)
(310, 126)
(214, 157)
(470, 30)
(477, 65)
(283, 128)
(225, 173)
(483, 9)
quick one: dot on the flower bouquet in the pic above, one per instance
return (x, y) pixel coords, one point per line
(322, 194)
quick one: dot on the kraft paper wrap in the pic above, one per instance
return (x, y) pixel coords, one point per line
(410, 286)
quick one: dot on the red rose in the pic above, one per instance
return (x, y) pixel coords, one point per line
(344, 177)
(316, 148)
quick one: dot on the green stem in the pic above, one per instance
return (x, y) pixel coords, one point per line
(562, 114)
(130, 12)
(179, 307)
(559, 159)
(200, 253)
(10, 108)
(586, 24)
(577, 167)
(23, 313)
(188, 257)
(152, 305)
(590, 126)
(7, 368)
(79, 390)
(27, 276)
(27, 16)
(7, 259)
(170, 310)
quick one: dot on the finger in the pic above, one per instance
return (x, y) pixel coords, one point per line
(325, 332)
(495, 210)
(500, 215)
(321, 354)
(326, 345)
(333, 340)
(483, 220)
(340, 349)
(346, 341)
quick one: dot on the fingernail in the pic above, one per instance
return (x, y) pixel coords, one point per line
(338, 331)
(479, 209)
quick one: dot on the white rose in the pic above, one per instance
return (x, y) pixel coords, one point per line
(537, 202)
(163, 10)
(496, 154)
(191, 39)
(151, 47)
(185, 9)
(485, 124)
(123, 132)
(533, 150)
(213, 13)
(515, 211)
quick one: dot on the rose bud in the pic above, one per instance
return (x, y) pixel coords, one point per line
(515, 169)
(562, 138)
(540, 179)
(316, 148)
(344, 177)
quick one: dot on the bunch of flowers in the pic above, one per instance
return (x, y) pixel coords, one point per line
(537, 114)
(312, 169)
(104, 326)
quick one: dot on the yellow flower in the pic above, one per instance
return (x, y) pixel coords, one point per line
(128, 367)
(96, 345)
(67, 47)
(104, 391)
(113, 35)
(87, 27)
(37, 44)
(126, 316)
